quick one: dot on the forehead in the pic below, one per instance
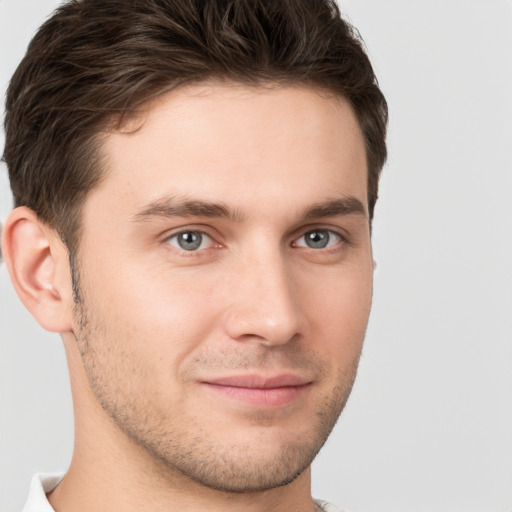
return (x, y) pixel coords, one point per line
(232, 142)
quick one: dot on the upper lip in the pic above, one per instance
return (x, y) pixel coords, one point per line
(260, 381)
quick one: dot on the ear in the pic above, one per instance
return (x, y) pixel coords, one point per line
(38, 263)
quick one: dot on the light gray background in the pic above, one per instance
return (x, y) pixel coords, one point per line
(429, 425)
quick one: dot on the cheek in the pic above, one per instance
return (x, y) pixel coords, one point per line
(151, 310)
(338, 307)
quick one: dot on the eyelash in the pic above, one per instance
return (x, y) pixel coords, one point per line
(330, 234)
(197, 252)
(213, 244)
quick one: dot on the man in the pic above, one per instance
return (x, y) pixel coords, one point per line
(194, 184)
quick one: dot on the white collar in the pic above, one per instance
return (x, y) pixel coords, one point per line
(41, 484)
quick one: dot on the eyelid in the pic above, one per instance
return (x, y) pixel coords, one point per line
(340, 238)
(205, 231)
(196, 228)
(205, 239)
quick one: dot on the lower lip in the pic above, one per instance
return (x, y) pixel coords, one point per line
(262, 398)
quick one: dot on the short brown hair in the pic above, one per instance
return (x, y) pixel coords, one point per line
(98, 60)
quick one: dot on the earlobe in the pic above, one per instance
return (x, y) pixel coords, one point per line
(37, 259)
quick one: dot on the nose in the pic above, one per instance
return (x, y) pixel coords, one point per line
(264, 302)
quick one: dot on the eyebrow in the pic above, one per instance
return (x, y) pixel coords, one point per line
(176, 207)
(335, 208)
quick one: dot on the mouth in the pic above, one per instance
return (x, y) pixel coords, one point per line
(262, 392)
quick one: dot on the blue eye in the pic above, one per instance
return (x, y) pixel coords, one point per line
(318, 239)
(190, 240)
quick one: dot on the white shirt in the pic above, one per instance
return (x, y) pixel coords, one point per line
(43, 483)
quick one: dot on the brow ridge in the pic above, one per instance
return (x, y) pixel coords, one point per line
(335, 207)
(183, 207)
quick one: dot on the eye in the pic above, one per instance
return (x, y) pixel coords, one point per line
(319, 239)
(190, 240)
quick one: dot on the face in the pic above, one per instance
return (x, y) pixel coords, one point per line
(225, 280)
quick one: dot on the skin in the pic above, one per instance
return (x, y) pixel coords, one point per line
(158, 329)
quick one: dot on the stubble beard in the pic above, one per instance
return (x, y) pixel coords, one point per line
(190, 450)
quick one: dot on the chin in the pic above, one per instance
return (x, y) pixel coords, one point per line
(246, 472)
